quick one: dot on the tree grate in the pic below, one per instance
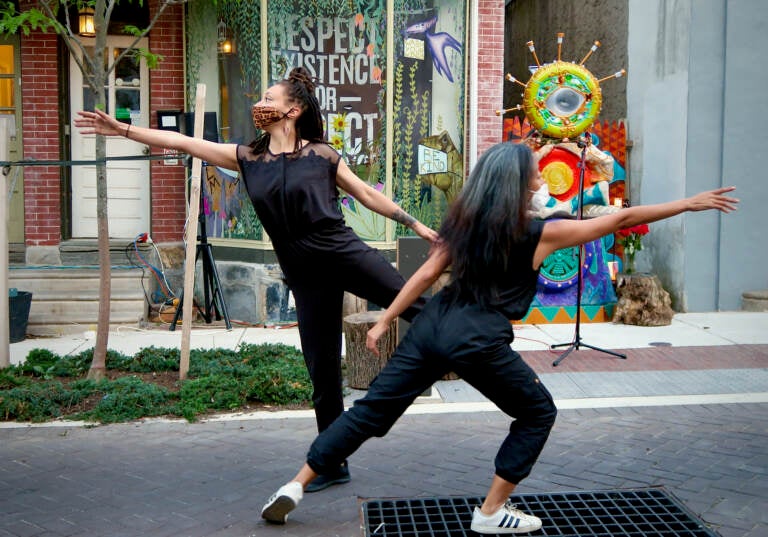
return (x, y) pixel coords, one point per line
(648, 512)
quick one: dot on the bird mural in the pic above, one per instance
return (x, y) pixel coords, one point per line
(437, 43)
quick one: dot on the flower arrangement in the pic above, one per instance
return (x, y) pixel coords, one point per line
(630, 240)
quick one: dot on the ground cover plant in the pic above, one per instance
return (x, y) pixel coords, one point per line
(48, 386)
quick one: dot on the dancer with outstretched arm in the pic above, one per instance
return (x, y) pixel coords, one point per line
(495, 251)
(293, 178)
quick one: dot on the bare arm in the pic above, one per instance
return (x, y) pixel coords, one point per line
(378, 202)
(564, 233)
(421, 280)
(97, 122)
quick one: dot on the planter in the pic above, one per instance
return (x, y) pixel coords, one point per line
(642, 301)
(19, 303)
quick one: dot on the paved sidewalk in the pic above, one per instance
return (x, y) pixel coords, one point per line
(691, 416)
(210, 479)
(687, 329)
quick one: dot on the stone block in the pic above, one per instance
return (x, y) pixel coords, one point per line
(754, 300)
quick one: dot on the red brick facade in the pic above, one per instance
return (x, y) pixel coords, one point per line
(40, 106)
(42, 98)
(490, 79)
(167, 93)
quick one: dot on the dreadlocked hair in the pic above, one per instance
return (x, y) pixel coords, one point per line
(300, 89)
(486, 220)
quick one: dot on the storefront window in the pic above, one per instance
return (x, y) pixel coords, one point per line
(428, 110)
(344, 45)
(7, 100)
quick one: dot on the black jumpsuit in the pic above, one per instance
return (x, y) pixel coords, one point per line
(297, 201)
(457, 334)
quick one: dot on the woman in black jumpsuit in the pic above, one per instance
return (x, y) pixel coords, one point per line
(292, 177)
(495, 253)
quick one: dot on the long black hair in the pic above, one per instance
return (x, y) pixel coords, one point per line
(486, 219)
(300, 89)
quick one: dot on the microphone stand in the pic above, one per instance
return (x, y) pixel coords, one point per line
(214, 298)
(574, 345)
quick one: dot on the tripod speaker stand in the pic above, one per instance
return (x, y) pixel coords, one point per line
(214, 300)
(574, 345)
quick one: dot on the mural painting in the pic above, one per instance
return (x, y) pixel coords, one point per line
(429, 80)
(561, 102)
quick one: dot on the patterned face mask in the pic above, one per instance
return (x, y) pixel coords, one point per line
(264, 116)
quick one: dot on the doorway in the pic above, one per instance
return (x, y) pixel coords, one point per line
(127, 99)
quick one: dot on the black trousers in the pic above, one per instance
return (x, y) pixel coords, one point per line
(319, 269)
(473, 342)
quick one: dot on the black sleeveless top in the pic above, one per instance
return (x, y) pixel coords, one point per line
(294, 194)
(518, 284)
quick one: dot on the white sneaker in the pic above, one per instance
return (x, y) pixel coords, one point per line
(506, 520)
(282, 502)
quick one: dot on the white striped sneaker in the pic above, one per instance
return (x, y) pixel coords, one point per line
(507, 519)
(282, 502)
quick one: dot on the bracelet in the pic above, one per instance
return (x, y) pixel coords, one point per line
(127, 131)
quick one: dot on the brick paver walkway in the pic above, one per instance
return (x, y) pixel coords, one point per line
(652, 359)
(211, 479)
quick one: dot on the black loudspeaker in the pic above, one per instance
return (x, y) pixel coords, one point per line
(210, 126)
(411, 254)
(169, 120)
(184, 122)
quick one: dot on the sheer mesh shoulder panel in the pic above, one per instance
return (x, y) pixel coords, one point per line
(320, 149)
(245, 152)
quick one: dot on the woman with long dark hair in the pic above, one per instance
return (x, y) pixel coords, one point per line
(292, 177)
(495, 252)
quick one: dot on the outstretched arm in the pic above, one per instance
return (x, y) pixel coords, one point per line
(564, 233)
(97, 122)
(422, 279)
(378, 202)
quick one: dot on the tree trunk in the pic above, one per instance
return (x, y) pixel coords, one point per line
(642, 301)
(362, 364)
(353, 304)
(98, 368)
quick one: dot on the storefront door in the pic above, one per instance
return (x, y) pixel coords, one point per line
(128, 180)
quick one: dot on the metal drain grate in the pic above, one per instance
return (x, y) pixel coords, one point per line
(609, 513)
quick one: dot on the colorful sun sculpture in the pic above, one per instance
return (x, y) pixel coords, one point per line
(561, 99)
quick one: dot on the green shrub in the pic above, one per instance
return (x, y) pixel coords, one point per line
(269, 352)
(214, 362)
(278, 384)
(72, 366)
(154, 359)
(11, 377)
(201, 395)
(126, 399)
(43, 401)
(218, 380)
(40, 363)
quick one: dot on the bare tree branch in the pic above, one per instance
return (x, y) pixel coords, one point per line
(143, 34)
(72, 42)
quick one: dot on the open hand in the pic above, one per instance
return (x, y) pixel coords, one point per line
(97, 122)
(374, 334)
(425, 232)
(713, 199)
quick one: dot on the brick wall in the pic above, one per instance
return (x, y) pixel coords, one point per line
(167, 93)
(41, 101)
(490, 63)
(40, 112)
